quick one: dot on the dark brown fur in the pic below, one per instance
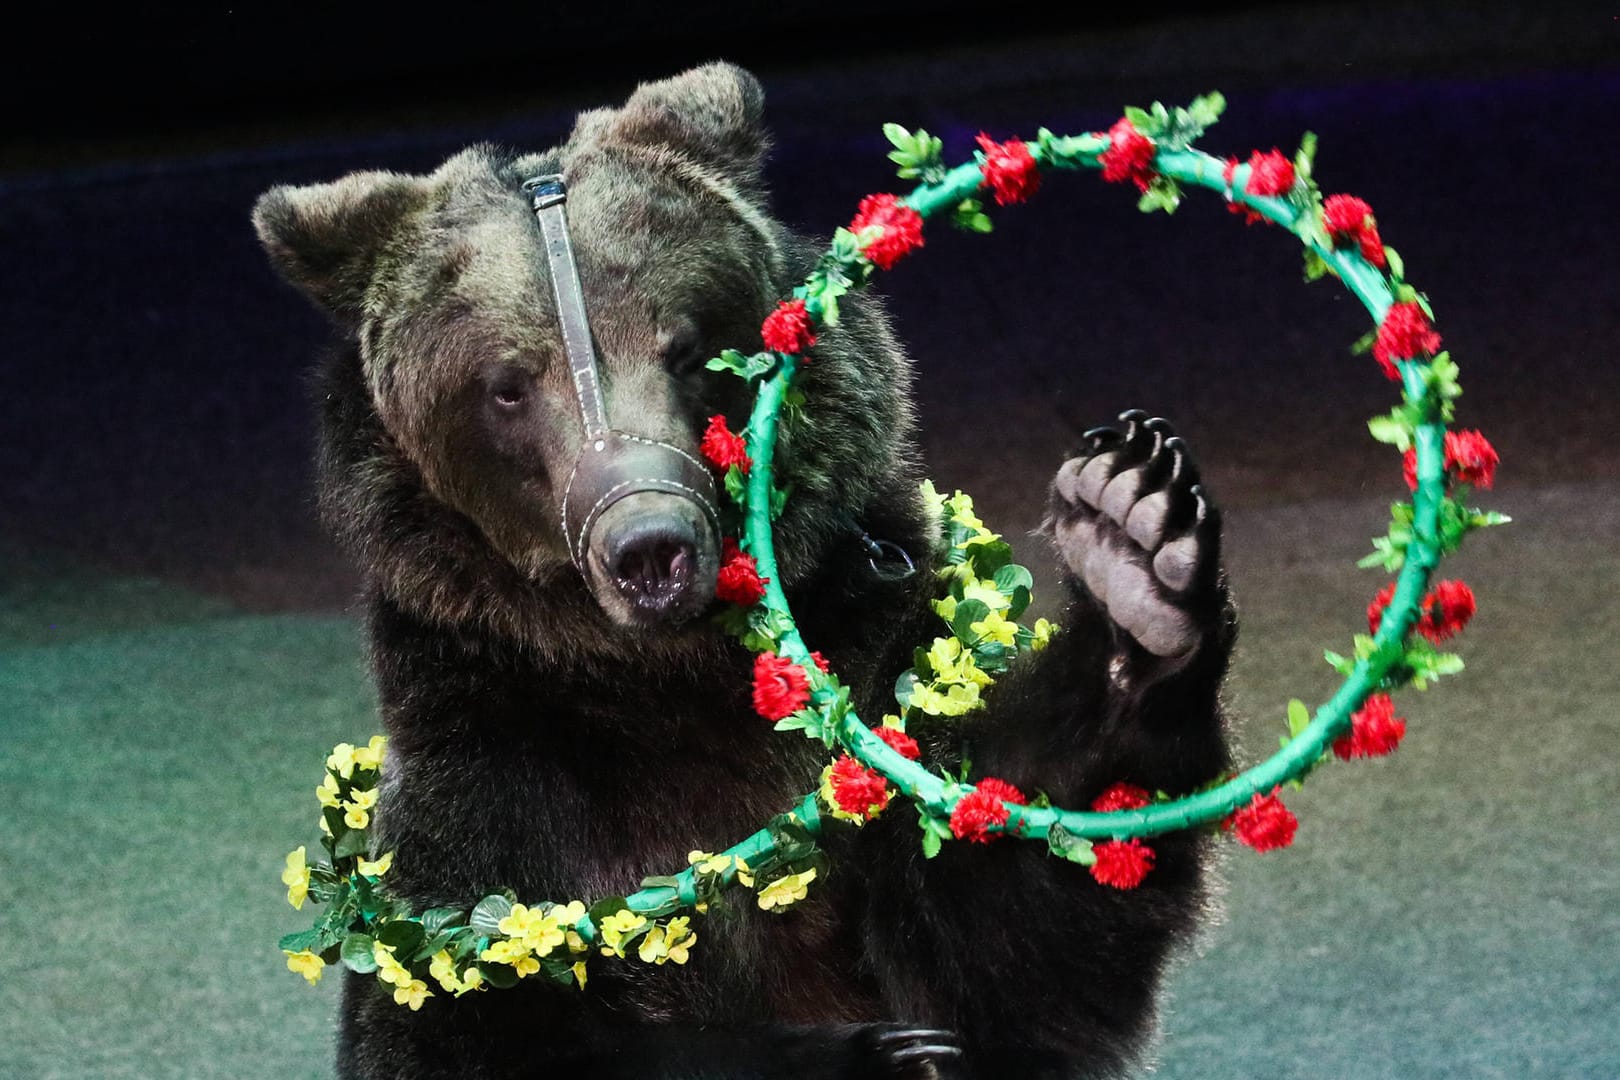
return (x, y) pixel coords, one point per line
(536, 744)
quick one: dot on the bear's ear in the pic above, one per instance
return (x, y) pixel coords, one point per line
(325, 238)
(713, 113)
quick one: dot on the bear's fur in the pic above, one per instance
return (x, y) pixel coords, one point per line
(541, 743)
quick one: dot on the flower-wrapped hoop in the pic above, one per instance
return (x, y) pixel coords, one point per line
(499, 941)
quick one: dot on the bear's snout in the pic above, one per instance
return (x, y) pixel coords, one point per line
(652, 558)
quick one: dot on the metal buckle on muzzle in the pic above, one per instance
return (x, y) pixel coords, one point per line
(611, 465)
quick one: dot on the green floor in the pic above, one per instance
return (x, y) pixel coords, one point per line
(1450, 911)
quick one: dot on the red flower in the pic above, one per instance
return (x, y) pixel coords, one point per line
(981, 810)
(1445, 611)
(722, 447)
(1375, 730)
(1129, 156)
(1121, 864)
(788, 328)
(1269, 174)
(1375, 610)
(821, 661)
(1121, 796)
(739, 581)
(1009, 170)
(857, 789)
(899, 742)
(781, 687)
(1264, 824)
(901, 225)
(1405, 334)
(1349, 219)
(1470, 459)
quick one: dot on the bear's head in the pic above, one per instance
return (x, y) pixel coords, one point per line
(456, 476)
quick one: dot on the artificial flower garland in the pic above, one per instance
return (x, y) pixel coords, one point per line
(499, 941)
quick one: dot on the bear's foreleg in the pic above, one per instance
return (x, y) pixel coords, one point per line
(1044, 971)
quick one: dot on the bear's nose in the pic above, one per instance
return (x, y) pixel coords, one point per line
(653, 566)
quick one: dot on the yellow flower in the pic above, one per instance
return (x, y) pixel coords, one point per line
(307, 964)
(370, 755)
(389, 970)
(355, 817)
(569, 914)
(579, 973)
(328, 792)
(519, 922)
(510, 951)
(364, 798)
(325, 828)
(413, 994)
(443, 969)
(946, 608)
(958, 699)
(679, 939)
(954, 664)
(471, 979)
(576, 943)
(745, 876)
(997, 628)
(986, 593)
(616, 926)
(786, 890)
(960, 507)
(931, 495)
(707, 863)
(378, 868)
(1044, 632)
(296, 878)
(525, 966)
(653, 949)
(341, 760)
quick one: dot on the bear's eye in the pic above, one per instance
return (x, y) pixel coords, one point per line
(508, 389)
(681, 346)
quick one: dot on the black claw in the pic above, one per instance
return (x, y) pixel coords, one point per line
(924, 1053)
(913, 1034)
(1179, 456)
(1202, 501)
(1160, 424)
(1102, 438)
(1132, 416)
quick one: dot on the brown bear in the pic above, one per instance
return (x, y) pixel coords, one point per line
(564, 718)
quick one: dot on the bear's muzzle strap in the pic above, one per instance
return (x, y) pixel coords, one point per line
(611, 465)
(549, 194)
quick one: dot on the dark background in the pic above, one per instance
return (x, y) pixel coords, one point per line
(176, 634)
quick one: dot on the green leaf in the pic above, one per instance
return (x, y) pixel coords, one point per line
(500, 976)
(1206, 109)
(487, 915)
(1343, 665)
(301, 941)
(903, 686)
(779, 498)
(736, 486)
(1484, 519)
(404, 936)
(1397, 268)
(1394, 429)
(1299, 717)
(1316, 267)
(1305, 156)
(1364, 343)
(350, 843)
(1065, 845)
(661, 881)
(1163, 193)
(968, 612)
(1141, 120)
(744, 367)
(436, 919)
(357, 954)
(1012, 577)
(811, 722)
